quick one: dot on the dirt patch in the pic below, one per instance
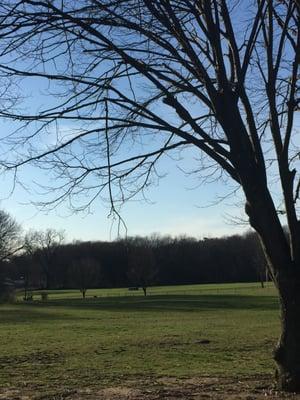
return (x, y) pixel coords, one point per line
(120, 393)
(166, 388)
(200, 388)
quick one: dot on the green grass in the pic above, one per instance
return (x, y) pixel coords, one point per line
(186, 290)
(186, 331)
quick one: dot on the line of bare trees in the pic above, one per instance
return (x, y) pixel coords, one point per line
(139, 262)
(40, 246)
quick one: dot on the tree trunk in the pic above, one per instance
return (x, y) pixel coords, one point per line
(262, 284)
(287, 352)
(145, 291)
(285, 273)
(47, 280)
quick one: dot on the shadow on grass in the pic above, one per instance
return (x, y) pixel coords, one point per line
(168, 303)
(24, 313)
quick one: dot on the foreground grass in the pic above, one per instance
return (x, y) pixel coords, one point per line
(69, 342)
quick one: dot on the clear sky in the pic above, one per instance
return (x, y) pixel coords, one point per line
(175, 207)
(178, 205)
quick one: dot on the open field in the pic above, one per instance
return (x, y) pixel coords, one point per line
(184, 290)
(210, 341)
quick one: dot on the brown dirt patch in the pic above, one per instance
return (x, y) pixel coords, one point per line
(166, 388)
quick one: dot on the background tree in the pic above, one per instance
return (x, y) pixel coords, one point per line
(84, 273)
(29, 263)
(176, 74)
(10, 236)
(141, 267)
(257, 256)
(179, 260)
(10, 244)
(43, 247)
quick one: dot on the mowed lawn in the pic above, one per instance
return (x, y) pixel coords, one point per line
(182, 331)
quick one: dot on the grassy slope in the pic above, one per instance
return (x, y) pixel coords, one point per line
(229, 288)
(68, 342)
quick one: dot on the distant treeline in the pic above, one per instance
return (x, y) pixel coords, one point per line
(141, 262)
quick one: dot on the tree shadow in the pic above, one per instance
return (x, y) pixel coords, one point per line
(175, 303)
(27, 313)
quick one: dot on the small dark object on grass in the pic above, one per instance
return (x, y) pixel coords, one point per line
(203, 341)
(44, 296)
(133, 288)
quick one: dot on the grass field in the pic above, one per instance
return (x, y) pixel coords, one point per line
(66, 345)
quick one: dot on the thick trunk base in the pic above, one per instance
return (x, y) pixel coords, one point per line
(287, 357)
(287, 353)
(288, 381)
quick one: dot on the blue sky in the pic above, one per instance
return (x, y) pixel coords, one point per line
(178, 205)
(174, 211)
(174, 207)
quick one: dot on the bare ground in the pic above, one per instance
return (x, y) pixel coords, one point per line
(254, 388)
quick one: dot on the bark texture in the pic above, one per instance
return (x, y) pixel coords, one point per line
(286, 276)
(287, 352)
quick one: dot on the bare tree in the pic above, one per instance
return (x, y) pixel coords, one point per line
(141, 267)
(10, 244)
(31, 267)
(257, 257)
(84, 273)
(138, 79)
(42, 246)
(10, 236)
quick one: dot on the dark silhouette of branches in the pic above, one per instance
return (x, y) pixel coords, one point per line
(10, 236)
